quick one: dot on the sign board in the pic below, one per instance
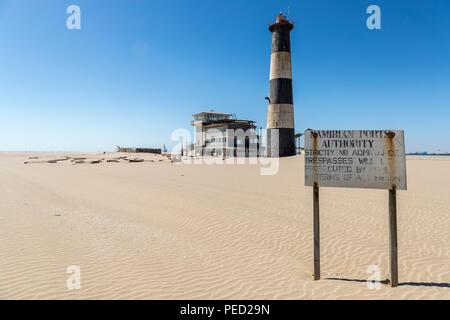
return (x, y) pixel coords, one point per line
(373, 159)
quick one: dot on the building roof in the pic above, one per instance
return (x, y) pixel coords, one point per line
(229, 121)
(211, 112)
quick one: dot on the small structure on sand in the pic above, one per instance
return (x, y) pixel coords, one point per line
(139, 150)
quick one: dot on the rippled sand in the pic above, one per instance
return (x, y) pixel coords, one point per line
(157, 230)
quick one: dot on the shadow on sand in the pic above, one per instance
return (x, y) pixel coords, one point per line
(387, 282)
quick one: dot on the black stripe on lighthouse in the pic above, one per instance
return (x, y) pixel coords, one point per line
(281, 91)
(281, 39)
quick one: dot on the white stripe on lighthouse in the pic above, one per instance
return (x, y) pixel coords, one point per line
(280, 65)
(280, 116)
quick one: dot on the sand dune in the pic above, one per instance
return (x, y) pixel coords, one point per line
(157, 230)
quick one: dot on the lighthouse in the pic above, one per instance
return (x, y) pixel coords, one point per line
(280, 112)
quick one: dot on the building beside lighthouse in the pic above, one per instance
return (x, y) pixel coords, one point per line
(280, 112)
(220, 134)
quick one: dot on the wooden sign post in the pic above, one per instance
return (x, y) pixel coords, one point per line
(393, 236)
(316, 233)
(372, 159)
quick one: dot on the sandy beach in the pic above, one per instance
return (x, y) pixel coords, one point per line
(159, 230)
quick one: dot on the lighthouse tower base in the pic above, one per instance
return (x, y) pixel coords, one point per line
(280, 143)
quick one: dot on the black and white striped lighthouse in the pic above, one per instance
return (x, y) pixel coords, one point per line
(280, 113)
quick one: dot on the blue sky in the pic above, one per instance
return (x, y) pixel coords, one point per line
(138, 69)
